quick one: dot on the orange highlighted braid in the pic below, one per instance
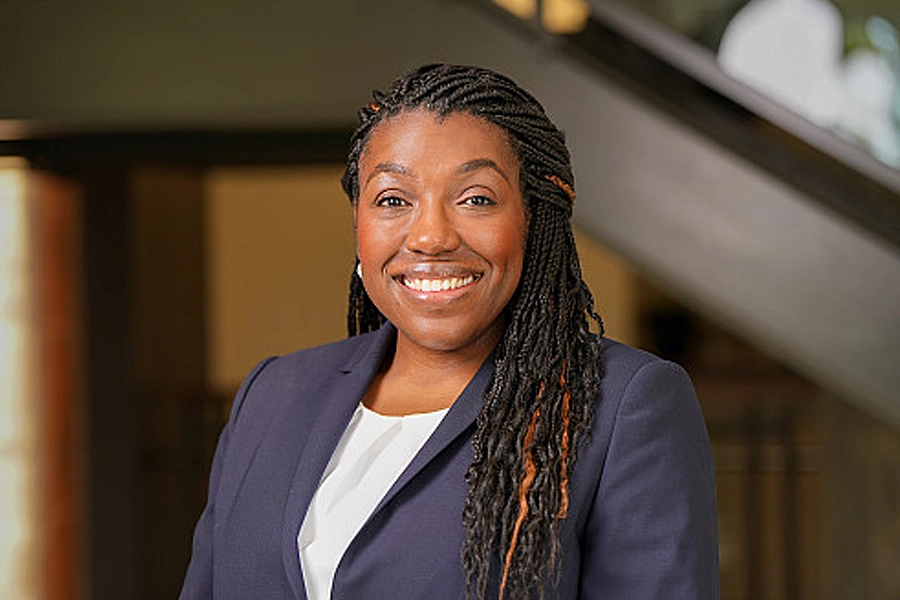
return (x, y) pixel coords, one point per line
(524, 488)
(565, 187)
(564, 447)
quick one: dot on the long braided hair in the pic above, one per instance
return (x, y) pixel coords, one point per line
(538, 402)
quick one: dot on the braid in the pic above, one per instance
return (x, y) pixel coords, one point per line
(535, 412)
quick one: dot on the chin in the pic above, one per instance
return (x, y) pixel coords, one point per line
(450, 339)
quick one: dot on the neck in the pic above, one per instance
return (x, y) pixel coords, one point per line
(416, 379)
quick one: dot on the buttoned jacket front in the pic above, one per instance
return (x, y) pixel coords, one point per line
(641, 523)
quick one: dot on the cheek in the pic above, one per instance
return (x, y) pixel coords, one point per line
(367, 239)
(506, 247)
(375, 243)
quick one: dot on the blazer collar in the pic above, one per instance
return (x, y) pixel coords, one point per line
(338, 404)
(456, 422)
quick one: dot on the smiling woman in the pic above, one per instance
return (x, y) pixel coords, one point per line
(475, 436)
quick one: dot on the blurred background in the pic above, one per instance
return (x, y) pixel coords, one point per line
(170, 213)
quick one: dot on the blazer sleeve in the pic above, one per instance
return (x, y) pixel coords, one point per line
(652, 530)
(198, 582)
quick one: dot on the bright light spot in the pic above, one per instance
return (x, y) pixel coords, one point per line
(565, 16)
(524, 9)
(18, 464)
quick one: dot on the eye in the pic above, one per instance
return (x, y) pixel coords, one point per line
(478, 200)
(391, 202)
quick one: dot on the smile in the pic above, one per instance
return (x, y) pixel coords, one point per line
(438, 285)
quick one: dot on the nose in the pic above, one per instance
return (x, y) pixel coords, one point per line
(432, 230)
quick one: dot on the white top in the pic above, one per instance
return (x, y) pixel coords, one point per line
(372, 453)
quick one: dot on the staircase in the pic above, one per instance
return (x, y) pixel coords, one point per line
(782, 231)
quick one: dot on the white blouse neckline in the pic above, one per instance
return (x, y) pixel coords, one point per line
(372, 453)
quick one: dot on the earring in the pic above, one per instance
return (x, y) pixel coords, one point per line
(359, 270)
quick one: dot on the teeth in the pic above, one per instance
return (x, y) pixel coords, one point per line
(438, 285)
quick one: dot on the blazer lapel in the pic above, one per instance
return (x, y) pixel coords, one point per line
(458, 419)
(337, 406)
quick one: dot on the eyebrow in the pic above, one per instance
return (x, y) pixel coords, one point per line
(482, 163)
(388, 167)
(467, 167)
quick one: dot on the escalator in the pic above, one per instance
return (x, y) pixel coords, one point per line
(783, 231)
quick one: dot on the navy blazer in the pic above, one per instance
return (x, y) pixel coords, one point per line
(642, 514)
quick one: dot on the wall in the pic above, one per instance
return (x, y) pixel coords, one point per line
(19, 390)
(279, 254)
(105, 64)
(862, 502)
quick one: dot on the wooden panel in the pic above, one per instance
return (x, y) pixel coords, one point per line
(57, 246)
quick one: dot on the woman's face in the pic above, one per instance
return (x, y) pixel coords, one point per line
(441, 228)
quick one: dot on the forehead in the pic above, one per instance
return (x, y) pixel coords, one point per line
(423, 135)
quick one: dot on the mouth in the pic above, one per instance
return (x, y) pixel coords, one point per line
(441, 284)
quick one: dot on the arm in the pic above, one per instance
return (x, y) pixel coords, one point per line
(652, 530)
(198, 582)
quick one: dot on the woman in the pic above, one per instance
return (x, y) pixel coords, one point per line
(473, 437)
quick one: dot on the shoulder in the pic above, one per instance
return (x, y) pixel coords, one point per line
(647, 412)
(645, 392)
(624, 366)
(300, 373)
(620, 358)
(647, 484)
(328, 357)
